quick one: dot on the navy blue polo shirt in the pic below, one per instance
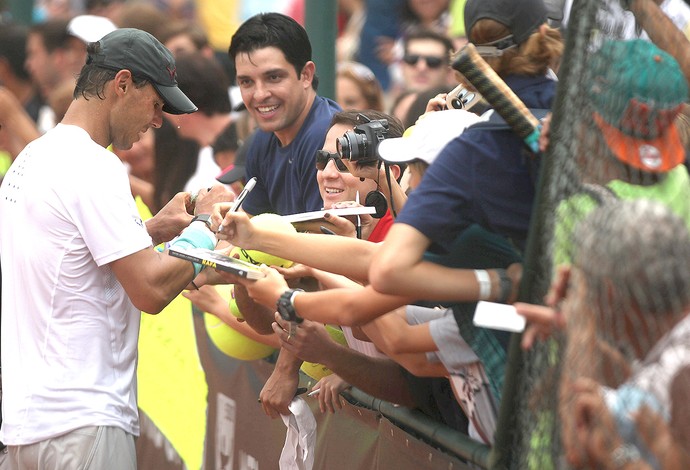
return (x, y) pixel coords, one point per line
(483, 176)
(286, 176)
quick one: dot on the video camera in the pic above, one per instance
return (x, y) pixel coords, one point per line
(361, 144)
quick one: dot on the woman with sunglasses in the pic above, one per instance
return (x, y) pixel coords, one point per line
(338, 187)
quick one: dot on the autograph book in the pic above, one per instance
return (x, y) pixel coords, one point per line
(216, 260)
(316, 215)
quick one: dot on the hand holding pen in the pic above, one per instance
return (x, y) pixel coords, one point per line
(221, 216)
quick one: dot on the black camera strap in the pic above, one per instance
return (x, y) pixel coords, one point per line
(390, 189)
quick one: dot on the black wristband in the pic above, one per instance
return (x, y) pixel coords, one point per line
(506, 285)
(205, 218)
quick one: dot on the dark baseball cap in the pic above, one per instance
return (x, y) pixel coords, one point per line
(144, 56)
(238, 170)
(521, 17)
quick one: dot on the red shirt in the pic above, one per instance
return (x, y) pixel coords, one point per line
(382, 228)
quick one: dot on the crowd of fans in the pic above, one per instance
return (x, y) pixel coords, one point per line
(454, 194)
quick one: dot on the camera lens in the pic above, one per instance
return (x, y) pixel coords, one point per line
(351, 146)
(342, 146)
(456, 103)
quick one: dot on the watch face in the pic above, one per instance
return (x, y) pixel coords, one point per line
(285, 308)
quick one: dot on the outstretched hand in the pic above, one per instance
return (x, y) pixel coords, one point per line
(265, 291)
(234, 227)
(543, 320)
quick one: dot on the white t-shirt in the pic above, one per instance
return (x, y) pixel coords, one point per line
(69, 331)
(206, 171)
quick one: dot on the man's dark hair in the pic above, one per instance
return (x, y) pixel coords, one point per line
(418, 106)
(274, 30)
(92, 78)
(395, 127)
(54, 33)
(349, 118)
(13, 48)
(424, 33)
(204, 81)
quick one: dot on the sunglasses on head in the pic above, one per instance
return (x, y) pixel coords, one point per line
(431, 61)
(322, 157)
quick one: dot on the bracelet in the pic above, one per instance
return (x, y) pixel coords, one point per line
(506, 285)
(484, 284)
(194, 285)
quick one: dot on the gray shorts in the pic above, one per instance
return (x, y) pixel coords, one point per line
(89, 448)
(466, 373)
(453, 351)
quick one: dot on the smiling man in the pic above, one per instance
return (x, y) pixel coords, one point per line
(277, 78)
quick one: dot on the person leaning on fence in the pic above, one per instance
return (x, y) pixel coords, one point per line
(626, 291)
(358, 305)
(80, 264)
(482, 176)
(481, 179)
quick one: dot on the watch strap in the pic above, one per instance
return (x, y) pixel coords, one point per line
(286, 305)
(205, 218)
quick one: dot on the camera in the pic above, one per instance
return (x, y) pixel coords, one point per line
(462, 98)
(361, 144)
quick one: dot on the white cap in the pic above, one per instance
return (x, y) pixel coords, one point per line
(90, 28)
(425, 140)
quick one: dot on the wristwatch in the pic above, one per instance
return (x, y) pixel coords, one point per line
(205, 218)
(286, 305)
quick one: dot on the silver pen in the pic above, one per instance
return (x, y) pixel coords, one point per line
(358, 227)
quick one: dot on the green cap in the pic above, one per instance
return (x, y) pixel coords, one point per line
(637, 91)
(144, 56)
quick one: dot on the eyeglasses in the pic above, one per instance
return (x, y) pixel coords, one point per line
(322, 157)
(431, 61)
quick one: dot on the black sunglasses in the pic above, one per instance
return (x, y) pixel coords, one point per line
(322, 157)
(431, 61)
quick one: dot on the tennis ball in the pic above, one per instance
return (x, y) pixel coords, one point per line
(234, 309)
(272, 222)
(318, 371)
(230, 341)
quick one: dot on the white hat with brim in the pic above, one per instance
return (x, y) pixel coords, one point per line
(90, 28)
(425, 140)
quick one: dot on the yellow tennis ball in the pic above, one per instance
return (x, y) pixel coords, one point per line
(230, 341)
(318, 371)
(233, 343)
(272, 222)
(234, 309)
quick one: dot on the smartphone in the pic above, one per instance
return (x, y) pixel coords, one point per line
(498, 317)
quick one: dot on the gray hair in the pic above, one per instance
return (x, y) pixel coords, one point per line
(640, 249)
